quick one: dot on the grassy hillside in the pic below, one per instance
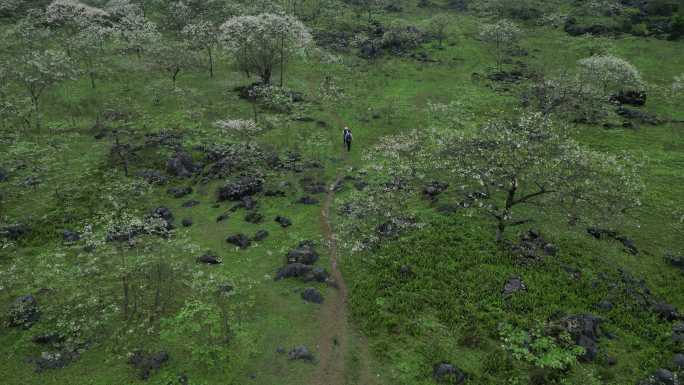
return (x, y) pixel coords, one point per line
(429, 295)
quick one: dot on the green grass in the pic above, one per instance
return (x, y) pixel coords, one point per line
(451, 311)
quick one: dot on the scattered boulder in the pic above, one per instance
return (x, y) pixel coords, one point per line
(599, 233)
(153, 177)
(513, 76)
(190, 203)
(165, 214)
(533, 245)
(666, 311)
(147, 364)
(274, 193)
(676, 261)
(14, 232)
(320, 274)
(304, 253)
(54, 360)
(240, 188)
(664, 377)
(186, 222)
(604, 305)
(222, 218)
(513, 285)
(313, 186)
(678, 361)
(360, 185)
(179, 192)
(446, 373)
(433, 189)
(47, 339)
(240, 240)
(254, 217)
(300, 353)
(631, 97)
(70, 236)
(4, 175)
(225, 288)
(585, 332)
(181, 165)
(209, 259)
(283, 221)
(293, 270)
(312, 295)
(387, 229)
(640, 116)
(307, 200)
(260, 235)
(678, 332)
(24, 312)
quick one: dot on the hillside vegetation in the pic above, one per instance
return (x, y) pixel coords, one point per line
(177, 205)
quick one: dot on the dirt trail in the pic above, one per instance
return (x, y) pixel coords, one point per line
(343, 356)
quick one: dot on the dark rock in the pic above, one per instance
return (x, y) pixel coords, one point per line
(640, 116)
(514, 76)
(585, 332)
(446, 373)
(611, 361)
(54, 360)
(23, 312)
(293, 270)
(676, 261)
(260, 235)
(240, 188)
(186, 222)
(181, 165)
(320, 274)
(448, 208)
(70, 236)
(147, 364)
(163, 213)
(664, 377)
(678, 361)
(179, 192)
(678, 332)
(604, 305)
(533, 245)
(280, 350)
(284, 222)
(153, 177)
(48, 339)
(433, 189)
(360, 185)
(307, 200)
(312, 295)
(387, 229)
(209, 259)
(405, 270)
(14, 232)
(304, 253)
(254, 217)
(300, 353)
(513, 285)
(599, 233)
(240, 240)
(633, 98)
(4, 175)
(225, 288)
(665, 311)
(191, 203)
(312, 186)
(222, 217)
(274, 193)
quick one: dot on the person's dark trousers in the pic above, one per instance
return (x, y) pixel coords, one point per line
(348, 146)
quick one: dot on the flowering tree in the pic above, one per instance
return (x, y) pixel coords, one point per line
(502, 35)
(610, 73)
(261, 42)
(438, 25)
(38, 71)
(531, 161)
(137, 33)
(173, 58)
(203, 36)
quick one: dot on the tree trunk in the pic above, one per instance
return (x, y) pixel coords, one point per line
(282, 59)
(211, 63)
(175, 75)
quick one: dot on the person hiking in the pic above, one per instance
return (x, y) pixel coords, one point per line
(347, 137)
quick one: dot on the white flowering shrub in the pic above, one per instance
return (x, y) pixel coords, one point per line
(502, 36)
(137, 34)
(263, 41)
(239, 127)
(610, 73)
(678, 85)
